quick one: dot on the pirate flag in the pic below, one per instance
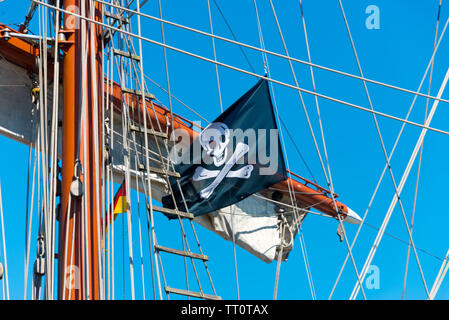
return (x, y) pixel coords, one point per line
(235, 156)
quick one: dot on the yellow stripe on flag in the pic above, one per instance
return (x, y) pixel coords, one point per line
(121, 205)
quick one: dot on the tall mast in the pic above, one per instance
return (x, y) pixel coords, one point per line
(82, 156)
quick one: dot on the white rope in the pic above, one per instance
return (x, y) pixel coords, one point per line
(104, 171)
(35, 284)
(125, 118)
(215, 56)
(95, 90)
(29, 219)
(302, 241)
(126, 160)
(72, 245)
(5, 272)
(278, 264)
(44, 136)
(83, 131)
(147, 166)
(66, 241)
(125, 121)
(235, 255)
(28, 222)
(420, 157)
(140, 234)
(111, 184)
(53, 149)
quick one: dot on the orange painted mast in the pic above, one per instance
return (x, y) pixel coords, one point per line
(79, 270)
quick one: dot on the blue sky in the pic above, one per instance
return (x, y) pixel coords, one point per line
(397, 54)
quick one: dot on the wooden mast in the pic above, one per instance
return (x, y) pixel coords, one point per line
(79, 270)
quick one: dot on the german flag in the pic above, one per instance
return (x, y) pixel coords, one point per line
(120, 203)
(120, 200)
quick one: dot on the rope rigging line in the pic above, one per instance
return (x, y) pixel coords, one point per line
(36, 278)
(182, 103)
(48, 150)
(54, 143)
(109, 128)
(104, 206)
(126, 160)
(214, 51)
(420, 156)
(96, 129)
(43, 136)
(5, 268)
(29, 213)
(30, 205)
(229, 28)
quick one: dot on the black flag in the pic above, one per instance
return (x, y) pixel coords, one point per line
(235, 156)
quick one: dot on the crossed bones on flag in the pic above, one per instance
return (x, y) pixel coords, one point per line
(244, 173)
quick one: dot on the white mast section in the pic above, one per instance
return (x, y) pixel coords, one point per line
(439, 278)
